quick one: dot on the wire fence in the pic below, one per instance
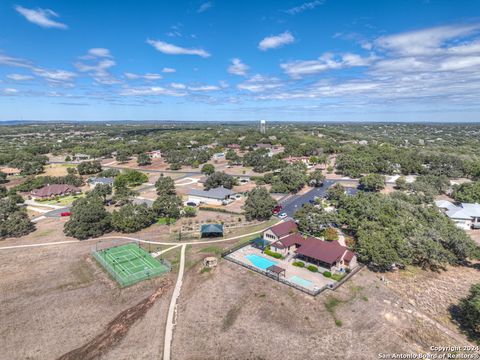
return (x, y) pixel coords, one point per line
(312, 292)
(125, 280)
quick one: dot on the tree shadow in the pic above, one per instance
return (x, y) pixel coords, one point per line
(459, 320)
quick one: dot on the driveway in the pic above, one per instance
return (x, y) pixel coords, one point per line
(295, 202)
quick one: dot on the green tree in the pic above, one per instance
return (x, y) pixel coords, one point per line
(401, 183)
(189, 211)
(469, 312)
(335, 192)
(168, 206)
(3, 178)
(131, 218)
(259, 204)
(316, 178)
(101, 190)
(122, 157)
(165, 185)
(88, 219)
(467, 192)
(291, 179)
(220, 179)
(14, 221)
(208, 169)
(130, 178)
(372, 182)
(89, 167)
(123, 195)
(143, 159)
(314, 220)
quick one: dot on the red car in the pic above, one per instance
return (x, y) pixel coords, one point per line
(66, 213)
(276, 210)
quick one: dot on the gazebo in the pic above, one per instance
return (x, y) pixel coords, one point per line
(260, 243)
(211, 230)
(277, 270)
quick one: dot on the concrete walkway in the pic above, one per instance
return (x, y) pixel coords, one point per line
(173, 307)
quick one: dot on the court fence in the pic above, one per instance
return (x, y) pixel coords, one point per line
(125, 280)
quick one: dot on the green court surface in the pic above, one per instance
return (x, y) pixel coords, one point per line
(130, 263)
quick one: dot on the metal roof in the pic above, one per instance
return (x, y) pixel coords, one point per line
(219, 193)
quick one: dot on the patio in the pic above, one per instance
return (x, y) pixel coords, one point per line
(295, 275)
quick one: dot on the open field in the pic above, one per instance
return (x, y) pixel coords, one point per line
(57, 169)
(233, 313)
(57, 299)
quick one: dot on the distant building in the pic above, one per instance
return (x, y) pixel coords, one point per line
(51, 191)
(155, 154)
(10, 171)
(216, 196)
(263, 126)
(219, 156)
(464, 215)
(81, 157)
(94, 181)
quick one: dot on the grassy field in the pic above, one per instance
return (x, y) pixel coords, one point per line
(63, 201)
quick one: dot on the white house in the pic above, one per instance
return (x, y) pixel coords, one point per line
(155, 154)
(94, 181)
(464, 215)
(216, 196)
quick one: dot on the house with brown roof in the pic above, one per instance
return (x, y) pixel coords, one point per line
(280, 230)
(51, 191)
(328, 254)
(10, 171)
(288, 244)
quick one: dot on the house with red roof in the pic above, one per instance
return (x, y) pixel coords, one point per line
(327, 254)
(285, 239)
(280, 230)
(51, 191)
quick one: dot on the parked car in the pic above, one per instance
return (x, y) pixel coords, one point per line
(476, 226)
(276, 210)
(65, 213)
(283, 216)
(191, 203)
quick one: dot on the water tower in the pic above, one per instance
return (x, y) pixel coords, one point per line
(263, 126)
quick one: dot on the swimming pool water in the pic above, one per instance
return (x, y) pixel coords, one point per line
(300, 281)
(260, 261)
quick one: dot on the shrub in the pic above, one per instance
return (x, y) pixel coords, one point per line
(327, 274)
(338, 277)
(298, 264)
(312, 268)
(273, 254)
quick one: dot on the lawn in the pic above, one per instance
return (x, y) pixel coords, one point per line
(62, 201)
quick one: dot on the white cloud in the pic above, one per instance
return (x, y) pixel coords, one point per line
(99, 52)
(171, 49)
(238, 68)
(303, 7)
(204, 88)
(297, 69)
(55, 76)
(259, 83)
(15, 62)
(148, 76)
(205, 6)
(425, 42)
(178, 86)
(19, 77)
(150, 91)
(10, 91)
(276, 41)
(168, 70)
(41, 17)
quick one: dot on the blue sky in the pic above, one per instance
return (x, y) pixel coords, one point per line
(319, 60)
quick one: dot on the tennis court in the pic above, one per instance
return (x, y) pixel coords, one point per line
(129, 263)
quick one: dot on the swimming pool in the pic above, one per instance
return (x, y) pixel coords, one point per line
(302, 282)
(260, 261)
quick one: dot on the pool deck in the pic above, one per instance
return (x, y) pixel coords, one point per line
(317, 279)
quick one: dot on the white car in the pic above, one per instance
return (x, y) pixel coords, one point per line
(283, 216)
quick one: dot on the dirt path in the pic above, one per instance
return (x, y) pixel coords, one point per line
(116, 330)
(173, 307)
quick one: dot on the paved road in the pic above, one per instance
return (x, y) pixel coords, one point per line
(295, 202)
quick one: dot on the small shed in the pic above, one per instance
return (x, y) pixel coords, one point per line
(211, 230)
(277, 270)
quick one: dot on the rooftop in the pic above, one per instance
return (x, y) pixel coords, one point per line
(284, 228)
(219, 193)
(325, 251)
